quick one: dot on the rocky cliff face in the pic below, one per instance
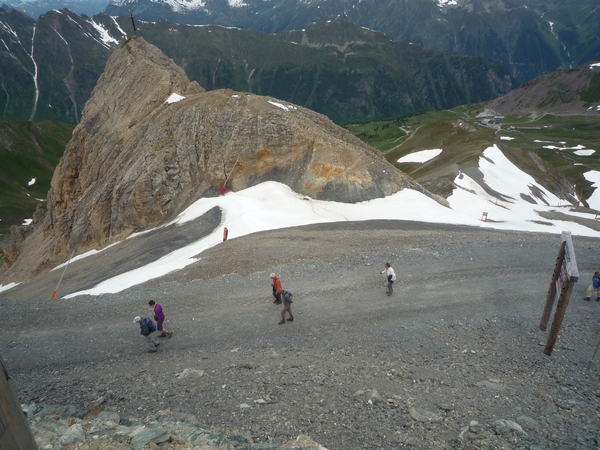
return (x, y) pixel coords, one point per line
(136, 159)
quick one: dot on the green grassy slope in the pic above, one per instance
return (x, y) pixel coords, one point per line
(463, 143)
(27, 150)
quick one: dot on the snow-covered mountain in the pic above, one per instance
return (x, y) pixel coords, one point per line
(531, 37)
(36, 8)
(51, 65)
(178, 6)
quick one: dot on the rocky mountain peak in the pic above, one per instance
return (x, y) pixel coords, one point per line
(150, 142)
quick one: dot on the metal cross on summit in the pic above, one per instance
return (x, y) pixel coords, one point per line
(133, 23)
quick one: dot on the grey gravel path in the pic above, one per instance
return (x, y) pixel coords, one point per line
(454, 359)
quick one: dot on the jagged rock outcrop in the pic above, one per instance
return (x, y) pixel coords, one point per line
(136, 159)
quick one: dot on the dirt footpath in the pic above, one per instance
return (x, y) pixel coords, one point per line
(454, 359)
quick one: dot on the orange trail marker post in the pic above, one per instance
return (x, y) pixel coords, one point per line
(61, 277)
(563, 280)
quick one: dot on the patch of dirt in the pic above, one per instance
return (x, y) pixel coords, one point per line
(557, 215)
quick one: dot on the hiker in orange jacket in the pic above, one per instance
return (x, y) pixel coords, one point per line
(277, 288)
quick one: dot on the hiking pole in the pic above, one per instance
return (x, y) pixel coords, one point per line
(593, 356)
(61, 277)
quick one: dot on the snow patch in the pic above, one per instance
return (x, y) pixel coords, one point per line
(421, 156)
(35, 76)
(593, 176)
(554, 147)
(588, 152)
(511, 210)
(174, 98)
(116, 24)
(105, 37)
(503, 176)
(8, 286)
(86, 254)
(284, 107)
(185, 5)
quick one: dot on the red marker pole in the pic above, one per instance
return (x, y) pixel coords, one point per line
(61, 277)
(225, 232)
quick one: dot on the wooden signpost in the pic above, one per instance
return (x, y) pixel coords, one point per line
(564, 278)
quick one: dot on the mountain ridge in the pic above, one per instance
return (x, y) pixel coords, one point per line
(370, 79)
(531, 37)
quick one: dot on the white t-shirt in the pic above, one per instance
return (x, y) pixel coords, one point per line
(389, 271)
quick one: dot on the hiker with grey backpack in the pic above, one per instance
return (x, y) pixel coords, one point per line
(147, 327)
(286, 297)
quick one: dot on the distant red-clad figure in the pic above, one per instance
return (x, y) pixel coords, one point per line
(223, 189)
(225, 233)
(277, 288)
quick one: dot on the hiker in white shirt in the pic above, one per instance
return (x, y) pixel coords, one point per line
(391, 277)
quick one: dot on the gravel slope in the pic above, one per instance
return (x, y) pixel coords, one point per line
(454, 359)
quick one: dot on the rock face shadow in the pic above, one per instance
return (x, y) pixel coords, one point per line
(123, 257)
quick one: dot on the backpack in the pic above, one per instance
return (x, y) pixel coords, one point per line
(151, 326)
(289, 296)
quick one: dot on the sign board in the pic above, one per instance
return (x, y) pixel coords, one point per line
(569, 261)
(564, 278)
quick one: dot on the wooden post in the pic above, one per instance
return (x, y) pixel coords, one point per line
(552, 289)
(563, 302)
(15, 433)
(564, 278)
